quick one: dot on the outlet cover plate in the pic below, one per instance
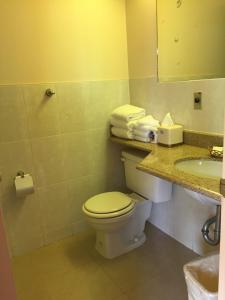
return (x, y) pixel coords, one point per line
(198, 100)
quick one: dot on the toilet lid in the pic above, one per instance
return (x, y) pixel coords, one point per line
(107, 203)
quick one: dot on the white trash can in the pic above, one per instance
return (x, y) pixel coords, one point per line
(202, 277)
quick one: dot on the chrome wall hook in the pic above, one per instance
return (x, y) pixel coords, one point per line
(49, 92)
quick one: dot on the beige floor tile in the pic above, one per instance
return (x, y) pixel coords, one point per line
(90, 283)
(72, 269)
(166, 287)
(130, 270)
(122, 297)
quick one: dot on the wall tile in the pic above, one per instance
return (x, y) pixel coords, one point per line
(48, 160)
(12, 114)
(76, 154)
(177, 98)
(73, 99)
(14, 157)
(42, 111)
(99, 104)
(64, 143)
(118, 93)
(80, 226)
(79, 191)
(23, 223)
(99, 149)
(55, 207)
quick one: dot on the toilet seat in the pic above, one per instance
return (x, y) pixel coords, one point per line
(108, 205)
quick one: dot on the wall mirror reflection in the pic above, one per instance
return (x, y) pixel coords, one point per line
(191, 39)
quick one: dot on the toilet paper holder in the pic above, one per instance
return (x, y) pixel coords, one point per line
(21, 174)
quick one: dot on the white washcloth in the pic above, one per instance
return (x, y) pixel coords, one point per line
(122, 124)
(128, 112)
(142, 133)
(122, 133)
(142, 139)
(148, 121)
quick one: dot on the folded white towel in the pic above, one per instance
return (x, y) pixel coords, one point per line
(145, 127)
(146, 136)
(142, 133)
(128, 112)
(142, 139)
(122, 124)
(122, 133)
(148, 121)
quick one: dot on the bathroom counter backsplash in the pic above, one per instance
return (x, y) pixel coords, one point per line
(161, 163)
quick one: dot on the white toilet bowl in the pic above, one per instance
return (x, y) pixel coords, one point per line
(121, 228)
(119, 219)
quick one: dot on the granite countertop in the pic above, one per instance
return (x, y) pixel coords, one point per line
(161, 162)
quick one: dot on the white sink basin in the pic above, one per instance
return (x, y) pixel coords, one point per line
(201, 167)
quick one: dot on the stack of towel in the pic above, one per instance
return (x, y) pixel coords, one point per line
(123, 120)
(145, 129)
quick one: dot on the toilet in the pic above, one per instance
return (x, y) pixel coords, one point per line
(119, 219)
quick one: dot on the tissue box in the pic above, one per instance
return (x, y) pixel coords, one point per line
(170, 135)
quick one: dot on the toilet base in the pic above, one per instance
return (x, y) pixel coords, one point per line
(111, 245)
(119, 235)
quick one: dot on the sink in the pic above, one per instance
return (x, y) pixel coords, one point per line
(205, 168)
(201, 167)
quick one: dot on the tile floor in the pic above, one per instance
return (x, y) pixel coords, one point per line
(72, 270)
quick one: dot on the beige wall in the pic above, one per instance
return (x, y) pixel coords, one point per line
(159, 98)
(49, 41)
(141, 28)
(62, 141)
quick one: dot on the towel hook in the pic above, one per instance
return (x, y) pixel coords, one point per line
(49, 92)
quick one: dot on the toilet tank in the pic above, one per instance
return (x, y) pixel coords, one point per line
(149, 186)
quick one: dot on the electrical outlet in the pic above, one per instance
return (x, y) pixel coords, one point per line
(198, 100)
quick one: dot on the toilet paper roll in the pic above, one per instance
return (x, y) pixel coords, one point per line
(24, 185)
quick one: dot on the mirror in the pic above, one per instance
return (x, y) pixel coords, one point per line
(191, 39)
